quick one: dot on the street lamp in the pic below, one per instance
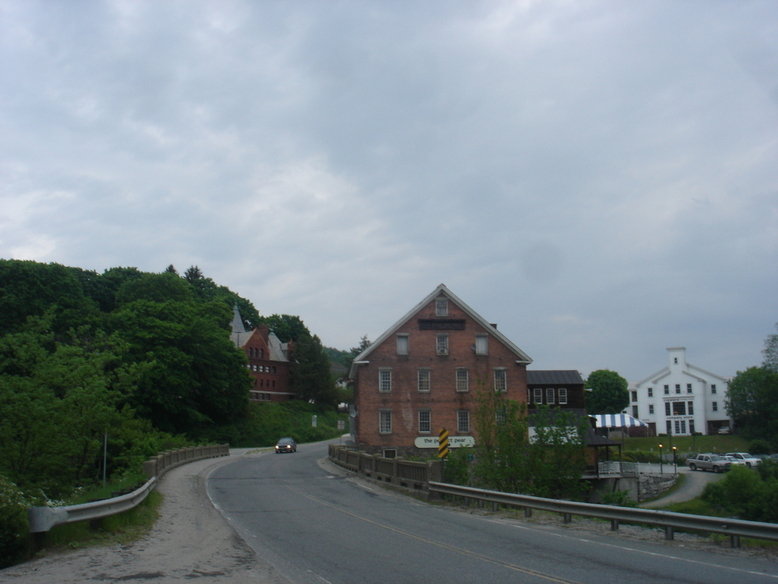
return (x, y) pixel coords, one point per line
(675, 461)
(661, 471)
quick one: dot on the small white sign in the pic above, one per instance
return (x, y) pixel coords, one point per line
(453, 441)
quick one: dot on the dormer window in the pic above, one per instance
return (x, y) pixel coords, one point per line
(441, 307)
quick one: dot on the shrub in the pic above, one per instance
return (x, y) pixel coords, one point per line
(456, 469)
(759, 446)
(14, 529)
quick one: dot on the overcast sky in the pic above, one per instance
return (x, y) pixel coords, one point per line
(598, 178)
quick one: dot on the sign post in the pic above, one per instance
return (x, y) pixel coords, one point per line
(443, 443)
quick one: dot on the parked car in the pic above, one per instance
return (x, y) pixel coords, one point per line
(706, 461)
(748, 459)
(735, 461)
(286, 445)
(725, 430)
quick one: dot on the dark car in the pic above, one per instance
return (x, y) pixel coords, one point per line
(286, 445)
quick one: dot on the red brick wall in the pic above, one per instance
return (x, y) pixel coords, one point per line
(269, 379)
(443, 399)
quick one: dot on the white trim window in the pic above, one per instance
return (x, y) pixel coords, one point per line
(384, 380)
(463, 379)
(402, 344)
(550, 395)
(463, 421)
(441, 344)
(538, 395)
(501, 379)
(423, 379)
(384, 421)
(441, 306)
(425, 421)
(562, 393)
(482, 344)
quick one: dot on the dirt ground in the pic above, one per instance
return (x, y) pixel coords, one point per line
(191, 540)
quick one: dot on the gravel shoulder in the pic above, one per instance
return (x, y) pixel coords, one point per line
(190, 540)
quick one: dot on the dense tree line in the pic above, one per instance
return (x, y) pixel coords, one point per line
(753, 397)
(144, 359)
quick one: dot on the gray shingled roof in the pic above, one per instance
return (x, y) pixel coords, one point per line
(554, 377)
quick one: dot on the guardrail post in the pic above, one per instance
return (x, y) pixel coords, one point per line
(734, 541)
(567, 517)
(669, 532)
(614, 524)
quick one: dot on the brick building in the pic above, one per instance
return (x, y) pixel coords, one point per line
(424, 373)
(268, 361)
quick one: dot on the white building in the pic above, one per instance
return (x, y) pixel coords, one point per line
(680, 399)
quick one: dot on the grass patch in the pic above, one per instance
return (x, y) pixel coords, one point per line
(115, 488)
(121, 528)
(687, 444)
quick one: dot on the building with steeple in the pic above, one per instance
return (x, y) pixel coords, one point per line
(681, 399)
(268, 360)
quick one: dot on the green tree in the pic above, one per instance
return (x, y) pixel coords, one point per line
(155, 287)
(192, 375)
(608, 395)
(753, 403)
(56, 402)
(31, 288)
(310, 376)
(541, 454)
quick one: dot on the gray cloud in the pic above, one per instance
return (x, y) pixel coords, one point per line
(599, 178)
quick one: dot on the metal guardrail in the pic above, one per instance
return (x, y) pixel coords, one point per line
(670, 521)
(42, 519)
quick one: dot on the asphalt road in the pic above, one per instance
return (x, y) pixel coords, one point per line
(315, 524)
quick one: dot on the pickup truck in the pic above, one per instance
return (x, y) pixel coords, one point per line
(713, 462)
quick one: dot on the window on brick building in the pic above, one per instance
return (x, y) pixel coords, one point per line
(463, 379)
(550, 395)
(500, 379)
(402, 344)
(424, 379)
(384, 421)
(463, 421)
(425, 421)
(538, 395)
(441, 344)
(441, 307)
(482, 344)
(562, 395)
(384, 380)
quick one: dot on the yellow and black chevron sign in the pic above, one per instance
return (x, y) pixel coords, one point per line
(443, 443)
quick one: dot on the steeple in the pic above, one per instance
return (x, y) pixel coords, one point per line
(237, 321)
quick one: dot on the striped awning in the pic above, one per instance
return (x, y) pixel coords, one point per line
(617, 421)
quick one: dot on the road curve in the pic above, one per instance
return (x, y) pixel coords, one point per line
(315, 523)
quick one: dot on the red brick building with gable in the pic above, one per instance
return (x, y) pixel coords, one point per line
(268, 361)
(424, 373)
